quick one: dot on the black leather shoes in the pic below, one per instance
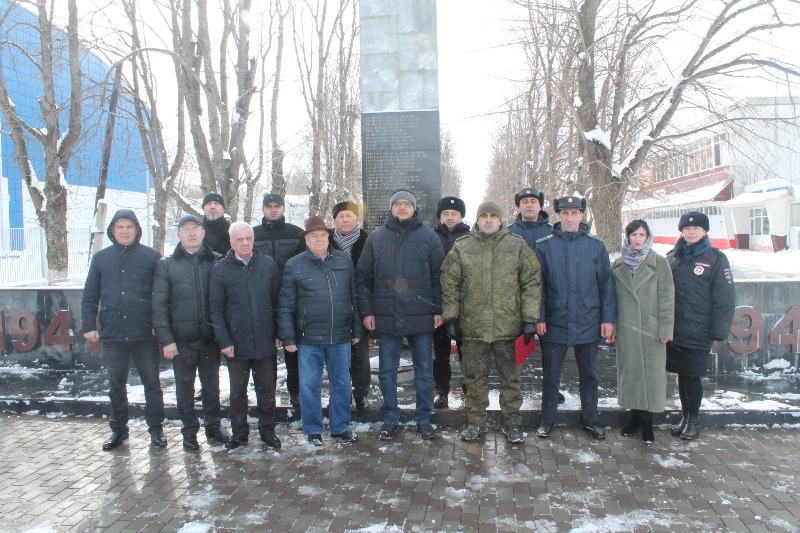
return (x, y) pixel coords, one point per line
(387, 431)
(157, 438)
(235, 442)
(361, 403)
(595, 431)
(426, 431)
(271, 439)
(190, 444)
(116, 438)
(441, 400)
(217, 434)
(544, 430)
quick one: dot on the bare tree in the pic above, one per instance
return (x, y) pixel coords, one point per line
(625, 102)
(50, 200)
(325, 48)
(450, 175)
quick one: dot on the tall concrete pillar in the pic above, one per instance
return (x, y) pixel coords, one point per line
(399, 105)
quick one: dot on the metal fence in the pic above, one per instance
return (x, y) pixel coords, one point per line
(23, 254)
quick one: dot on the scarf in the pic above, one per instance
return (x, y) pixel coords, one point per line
(634, 257)
(683, 248)
(346, 242)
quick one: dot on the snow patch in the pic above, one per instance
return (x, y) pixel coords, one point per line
(196, 527)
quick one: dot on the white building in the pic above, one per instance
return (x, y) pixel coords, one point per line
(742, 170)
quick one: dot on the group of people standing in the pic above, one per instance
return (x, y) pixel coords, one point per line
(320, 292)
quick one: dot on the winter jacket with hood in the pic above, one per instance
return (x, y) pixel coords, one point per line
(491, 284)
(243, 303)
(645, 315)
(279, 240)
(318, 302)
(705, 297)
(450, 236)
(577, 290)
(398, 277)
(119, 287)
(217, 237)
(180, 297)
(532, 231)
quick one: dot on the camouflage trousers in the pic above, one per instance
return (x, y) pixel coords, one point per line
(475, 368)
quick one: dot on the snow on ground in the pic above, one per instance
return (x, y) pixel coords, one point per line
(783, 261)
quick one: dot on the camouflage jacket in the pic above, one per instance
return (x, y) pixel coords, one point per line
(491, 284)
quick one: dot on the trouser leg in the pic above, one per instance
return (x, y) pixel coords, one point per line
(117, 356)
(265, 377)
(586, 358)
(475, 367)
(510, 394)
(442, 372)
(239, 373)
(360, 371)
(553, 355)
(208, 369)
(184, 368)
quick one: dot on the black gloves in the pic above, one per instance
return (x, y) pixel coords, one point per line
(452, 329)
(528, 330)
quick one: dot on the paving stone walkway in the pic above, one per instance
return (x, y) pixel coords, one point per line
(54, 477)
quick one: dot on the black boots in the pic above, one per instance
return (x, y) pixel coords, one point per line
(632, 426)
(646, 418)
(690, 431)
(677, 430)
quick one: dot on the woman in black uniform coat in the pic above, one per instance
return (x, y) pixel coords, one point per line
(704, 306)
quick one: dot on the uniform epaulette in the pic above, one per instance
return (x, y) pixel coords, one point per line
(516, 235)
(546, 237)
(463, 237)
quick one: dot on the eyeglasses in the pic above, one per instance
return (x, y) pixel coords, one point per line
(404, 204)
(191, 231)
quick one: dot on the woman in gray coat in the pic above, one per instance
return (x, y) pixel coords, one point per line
(645, 316)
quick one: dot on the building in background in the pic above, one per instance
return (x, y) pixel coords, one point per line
(128, 184)
(743, 172)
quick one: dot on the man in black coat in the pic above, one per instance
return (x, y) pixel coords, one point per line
(243, 299)
(184, 329)
(281, 241)
(216, 224)
(400, 295)
(348, 236)
(118, 288)
(450, 211)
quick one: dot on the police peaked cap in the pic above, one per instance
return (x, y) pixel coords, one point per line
(451, 202)
(529, 192)
(570, 202)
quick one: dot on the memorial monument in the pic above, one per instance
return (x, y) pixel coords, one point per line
(399, 105)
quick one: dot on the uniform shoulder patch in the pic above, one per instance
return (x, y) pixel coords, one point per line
(728, 276)
(545, 238)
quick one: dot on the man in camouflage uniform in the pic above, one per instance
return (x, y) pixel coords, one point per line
(491, 294)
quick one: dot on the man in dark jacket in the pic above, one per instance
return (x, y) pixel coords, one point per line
(349, 237)
(399, 295)
(281, 241)
(184, 329)
(243, 299)
(532, 222)
(215, 224)
(118, 288)
(318, 317)
(450, 211)
(578, 308)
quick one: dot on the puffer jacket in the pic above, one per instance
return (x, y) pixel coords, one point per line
(217, 237)
(491, 284)
(279, 240)
(180, 297)
(319, 300)
(577, 291)
(398, 277)
(532, 231)
(119, 287)
(449, 237)
(705, 296)
(243, 302)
